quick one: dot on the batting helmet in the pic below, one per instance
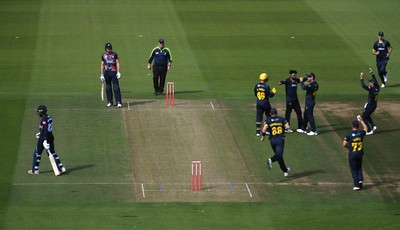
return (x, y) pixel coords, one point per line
(108, 46)
(264, 77)
(41, 110)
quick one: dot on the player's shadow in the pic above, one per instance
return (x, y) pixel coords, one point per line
(140, 102)
(306, 173)
(394, 86)
(188, 91)
(78, 168)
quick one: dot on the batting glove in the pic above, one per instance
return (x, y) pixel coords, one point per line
(46, 145)
(37, 135)
(274, 90)
(118, 75)
(102, 79)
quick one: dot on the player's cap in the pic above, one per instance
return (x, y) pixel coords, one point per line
(292, 72)
(371, 80)
(108, 46)
(161, 41)
(311, 75)
(41, 109)
(355, 124)
(273, 111)
(264, 77)
(381, 33)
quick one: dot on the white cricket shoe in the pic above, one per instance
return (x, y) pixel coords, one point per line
(374, 129)
(109, 104)
(33, 172)
(370, 133)
(382, 86)
(287, 172)
(288, 131)
(301, 131)
(312, 133)
(119, 105)
(356, 188)
(269, 163)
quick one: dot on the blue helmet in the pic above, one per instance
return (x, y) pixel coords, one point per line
(41, 110)
(108, 46)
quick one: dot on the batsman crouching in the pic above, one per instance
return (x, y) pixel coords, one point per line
(46, 141)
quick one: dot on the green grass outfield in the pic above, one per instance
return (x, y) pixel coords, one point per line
(51, 55)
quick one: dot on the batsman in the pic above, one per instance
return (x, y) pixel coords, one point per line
(46, 141)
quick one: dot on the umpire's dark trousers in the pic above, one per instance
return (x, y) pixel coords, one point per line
(159, 76)
(294, 105)
(355, 162)
(278, 145)
(112, 84)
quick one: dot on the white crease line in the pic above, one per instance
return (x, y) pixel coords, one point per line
(129, 108)
(212, 105)
(248, 189)
(144, 195)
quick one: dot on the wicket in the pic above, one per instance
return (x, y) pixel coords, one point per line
(197, 177)
(170, 95)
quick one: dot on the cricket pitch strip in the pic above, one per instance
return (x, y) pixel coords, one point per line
(163, 141)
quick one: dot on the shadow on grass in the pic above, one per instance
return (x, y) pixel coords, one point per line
(78, 168)
(306, 173)
(141, 102)
(188, 91)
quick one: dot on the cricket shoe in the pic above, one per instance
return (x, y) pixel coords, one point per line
(370, 133)
(374, 129)
(109, 104)
(301, 131)
(288, 131)
(383, 85)
(63, 170)
(356, 188)
(386, 77)
(258, 133)
(312, 133)
(360, 184)
(287, 172)
(119, 105)
(370, 71)
(33, 172)
(269, 163)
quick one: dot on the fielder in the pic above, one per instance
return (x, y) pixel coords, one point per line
(292, 101)
(262, 92)
(311, 92)
(382, 49)
(45, 141)
(354, 142)
(276, 126)
(372, 104)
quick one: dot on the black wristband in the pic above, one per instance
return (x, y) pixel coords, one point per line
(263, 134)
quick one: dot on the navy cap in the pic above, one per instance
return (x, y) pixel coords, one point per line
(355, 124)
(273, 111)
(380, 33)
(311, 75)
(292, 71)
(161, 41)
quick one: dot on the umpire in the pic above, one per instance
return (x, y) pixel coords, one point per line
(262, 92)
(354, 142)
(276, 127)
(292, 101)
(162, 64)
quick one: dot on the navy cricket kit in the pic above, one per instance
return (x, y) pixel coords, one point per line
(161, 59)
(381, 59)
(46, 133)
(110, 75)
(355, 145)
(372, 104)
(276, 128)
(311, 92)
(292, 101)
(262, 92)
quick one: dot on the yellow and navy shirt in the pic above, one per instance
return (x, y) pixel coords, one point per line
(262, 92)
(161, 56)
(276, 126)
(354, 140)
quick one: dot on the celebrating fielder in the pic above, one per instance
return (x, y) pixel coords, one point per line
(262, 92)
(372, 104)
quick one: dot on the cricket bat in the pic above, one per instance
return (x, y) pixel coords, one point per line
(102, 91)
(53, 164)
